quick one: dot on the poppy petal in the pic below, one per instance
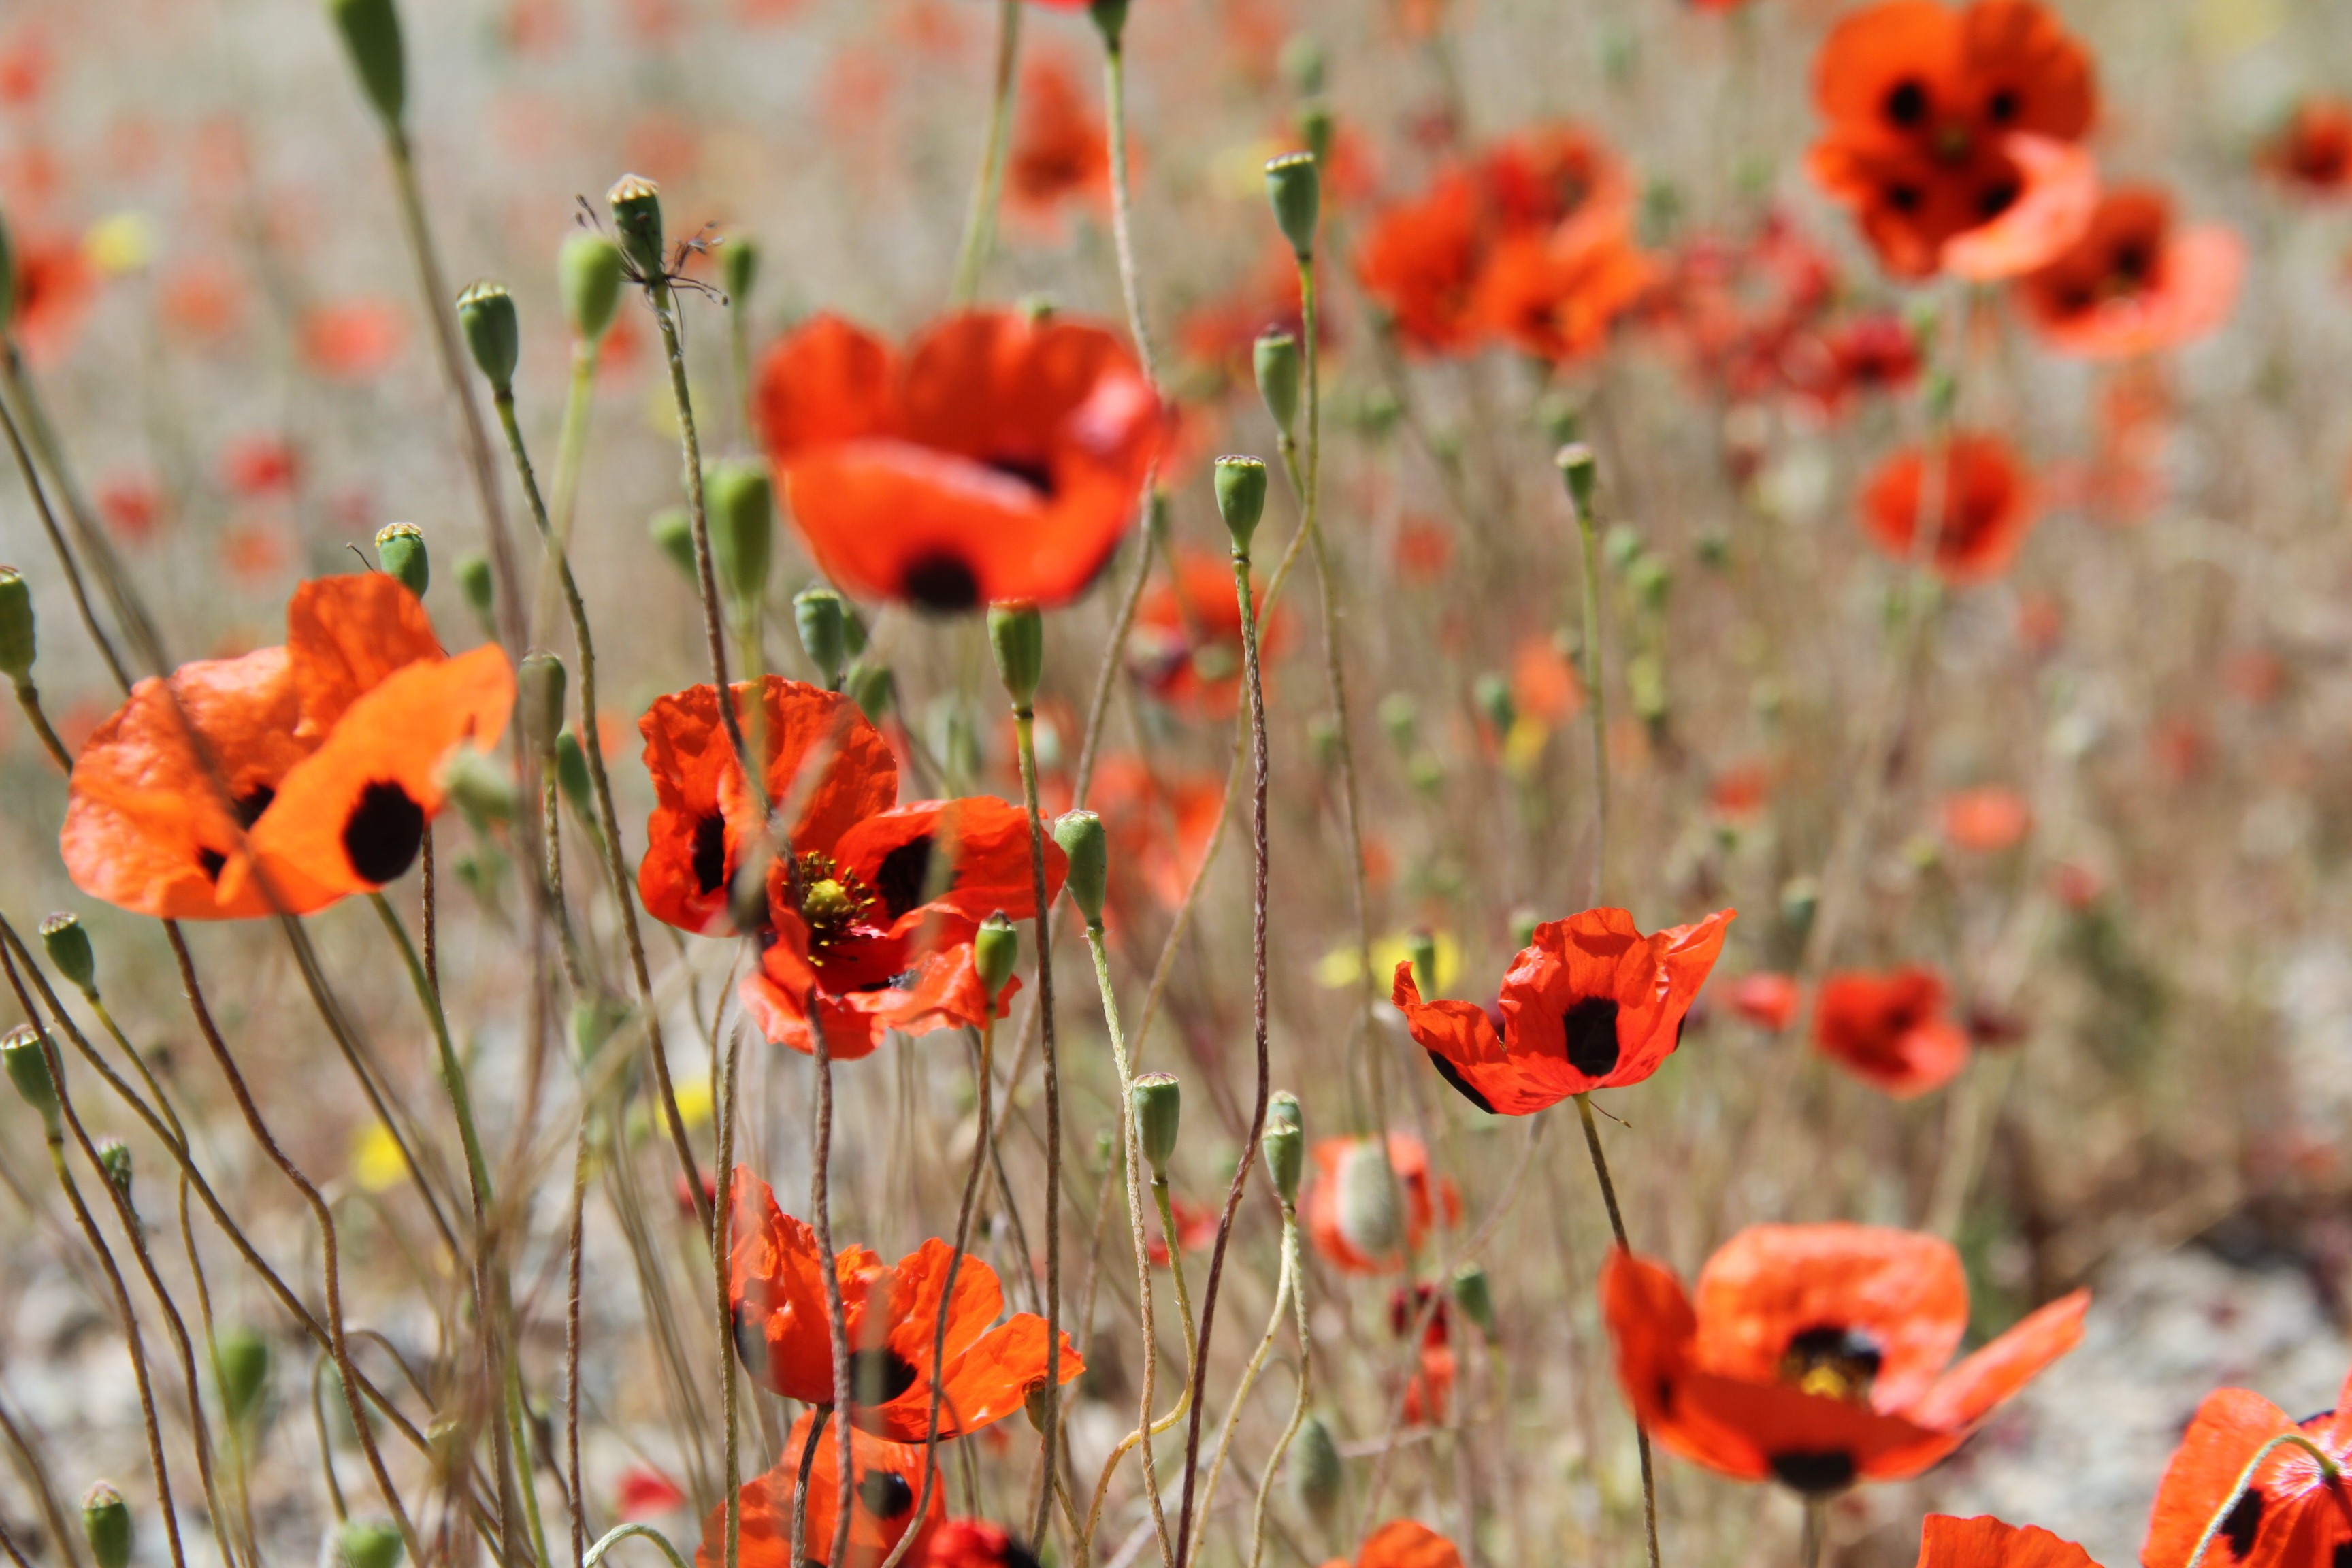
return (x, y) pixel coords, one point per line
(1968, 1393)
(1987, 1542)
(2060, 193)
(888, 1479)
(347, 635)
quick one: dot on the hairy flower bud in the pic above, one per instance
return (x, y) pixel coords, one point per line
(637, 214)
(538, 701)
(1316, 1478)
(114, 1159)
(1581, 470)
(673, 530)
(742, 528)
(571, 773)
(824, 624)
(1369, 1219)
(1475, 1297)
(69, 948)
(995, 953)
(106, 1525)
(368, 1543)
(1017, 634)
(473, 582)
(19, 646)
(1286, 1146)
(371, 32)
(28, 1063)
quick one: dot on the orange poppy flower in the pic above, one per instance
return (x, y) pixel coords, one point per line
(1767, 999)
(976, 1543)
(1159, 826)
(998, 459)
(1554, 295)
(2134, 283)
(875, 909)
(643, 1492)
(1816, 1354)
(776, 1282)
(1060, 151)
(1986, 820)
(2056, 200)
(329, 750)
(1591, 1003)
(1421, 260)
(1342, 1164)
(55, 286)
(1987, 1542)
(2313, 150)
(2291, 1517)
(1987, 501)
(1186, 647)
(888, 1478)
(1889, 1030)
(1403, 1544)
(1920, 100)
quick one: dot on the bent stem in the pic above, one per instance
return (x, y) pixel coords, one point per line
(980, 221)
(1299, 1406)
(621, 1533)
(2329, 1470)
(1024, 729)
(1617, 1228)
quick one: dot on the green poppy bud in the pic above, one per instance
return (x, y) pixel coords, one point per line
(27, 1061)
(1283, 1110)
(1560, 418)
(241, 1362)
(1652, 578)
(1475, 1297)
(571, 773)
(589, 272)
(637, 214)
(368, 1543)
(1421, 950)
(1241, 500)
(1285, 1147)
(1111, 21)
(674, 530)
(1581, 470)
(1493, 695)
(1800, 899)
(824, 624)
(1017, 632)
(17, 644)
(1316, 1478)
(400, 551)
(1621, 547)
(1295, 187)
(739, 267)
(538, 701)
(1159, 1102)
(106, 1524)
(1369, 1219)
(371, 30)
(872, 687)
(995, 953)
(69, 948)
(1302, 63)
(114, 1159)
(1276, 360)
(480, 787)
(743, 527)
(1087, 849)
(474, 582)
(493, 334)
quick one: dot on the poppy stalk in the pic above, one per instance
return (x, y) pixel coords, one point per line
(980, 221)
(836, 1315)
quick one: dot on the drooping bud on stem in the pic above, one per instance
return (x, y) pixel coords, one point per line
(1475, 1297)
(637, 215)
(69, 948)
(1241, 500)
(743, 510)
(370, 31)
(1316, 1477)
(19, 644)
(1295, 187)
(1369, 1219)
(1087, 848)
(493, 334)
(27, 1062)
(106, 1525)
(400, 551)
(1017, 634)
(1286, 1146)
(368, 1543)
(571, 773)
(242, 1364)
(995, 953)
(589, 271)
(824, 624)
(538, 701)
(1275, 358)
(1159, 1101)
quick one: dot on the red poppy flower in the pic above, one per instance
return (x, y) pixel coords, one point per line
(876, 907)
(1060, 150)
(356, 340)
(976, 1543)
(1186, 647)
(1986, 1542)
(1544, 683)
(2056, 200)
(329, 750)
(643, 1492)
(1421, 260)
(2291, 1517)
(1591, 1003)
(1986, 820)
(2134, 283)
(1920, 100)
(55, 286)
(2313, 150)
(998, 458)
(776, 1282)
(1889, 1030)
(1816, 1354)
(1767, 999)
(1554, 295)
(1987, 501)
(888, 1479)
(1349, 1210)
(1403, 1544)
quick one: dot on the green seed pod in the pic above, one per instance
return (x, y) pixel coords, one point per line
(1087, 849)
(1421, 950)
(493, 334)
(106, 1525)
(674, 530)
(1295, 187)
(1652, 578)
(996, 952)
(481, 788)
(1581, 470)
(538, 701)
(1110, 20)
(824, 624)
(27, 1062)
(19, 646)
(473, 582)
(1159, 1102)
(589, 272)
(1475, 1297)
(873, 688)
(371, 30)
(1279, 367)
(1240, 499)
(637, 214)
(1017, 634)
(742, 528)
(114, 1159)
(1493, 695)
(572, 773)
(368, 1543)
(1369, 1219)
(241, 1362)
(400, 551)
(1316, 1477)
(1283, 1109)
(739, 267)
(69, 948)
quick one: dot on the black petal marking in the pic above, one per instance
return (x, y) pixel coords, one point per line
(1453, 1075)
(711, 853)
(384, 832)
(2243, 1523)
(1591, 1027)
(878, 1374)
(1815, 1474)
(885, 1493)
(943, 583)
(904, 876)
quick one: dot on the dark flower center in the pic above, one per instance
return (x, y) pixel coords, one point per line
(832, 900)
(1815, 1474)
(1832, 1361)
(2242, 1523)
(247, 809)
(943, 582)
(878, 1374)
(1034, 472)
(1453, 1075)
(711, 853)
(2003, 105)
(904, 876)
(1995, 200)
(1906, 102)
(1905, 198)
(1589, 1029)
(384, 832)
(885, 1493)
(750, 1343)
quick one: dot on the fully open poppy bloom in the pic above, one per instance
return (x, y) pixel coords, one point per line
(1988, 507)
(1420, 259)
(1816, 1354)
(2135, 283)
(976, 1543)
(997, 459)
(319, 765)
(2313, 150)
(1059, 151)
(776, 1282)
(1591, 1003)
(887, 1479)
(2291, 1517)
(1403, 1544)
(1889, 1030)
(1920, 100)
(1351, 1209)
(1186, 647)
(1987, 1542)
(874, 909)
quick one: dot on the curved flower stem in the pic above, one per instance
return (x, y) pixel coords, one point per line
(621, 1533)
(1249, 1151)
(844, 1396)
(34, 488)
(2329, 1470)
(1617, 1228)
(980, 220)
(1300, 1406)
(1285, 1281)
(1024, 731)
(817, 1419)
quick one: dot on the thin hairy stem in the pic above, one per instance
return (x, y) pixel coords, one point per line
(1024, 731)
(722, 1207)
(836, 1322)
(1304, 1400)
(1617, 1229)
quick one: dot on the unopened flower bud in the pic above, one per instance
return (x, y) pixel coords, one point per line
(872, 687)
(1159, 1101)
(538, 701)
(738, 269)
(571, 771)
(1241, 500)
(1286, 1159)
(673, 530)
(242, 1364)
(1276, 360)
(473, 582)
(1493, 695)
(114, 1159)
(1560, 418)
(69, 948)
(1475, 1297)
(1652, 578)
(368, 1543)
(1801, 898)
(1017, 634)
(400, 551)
(106, 1525)
(637, 215)
(995, 953)
(1621, 547)
(1087, 849)
(1295, 187)
(17, 644)
(1581, 470)
(493, 334)
(743, 527)
(1110, 20)
(589, 272)
(824, 625)
(1316, 1476)
(371, 30)
(481, 788)
(1421, 950)
(1401, 717)
(1369, 1219)
(27, 1061)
